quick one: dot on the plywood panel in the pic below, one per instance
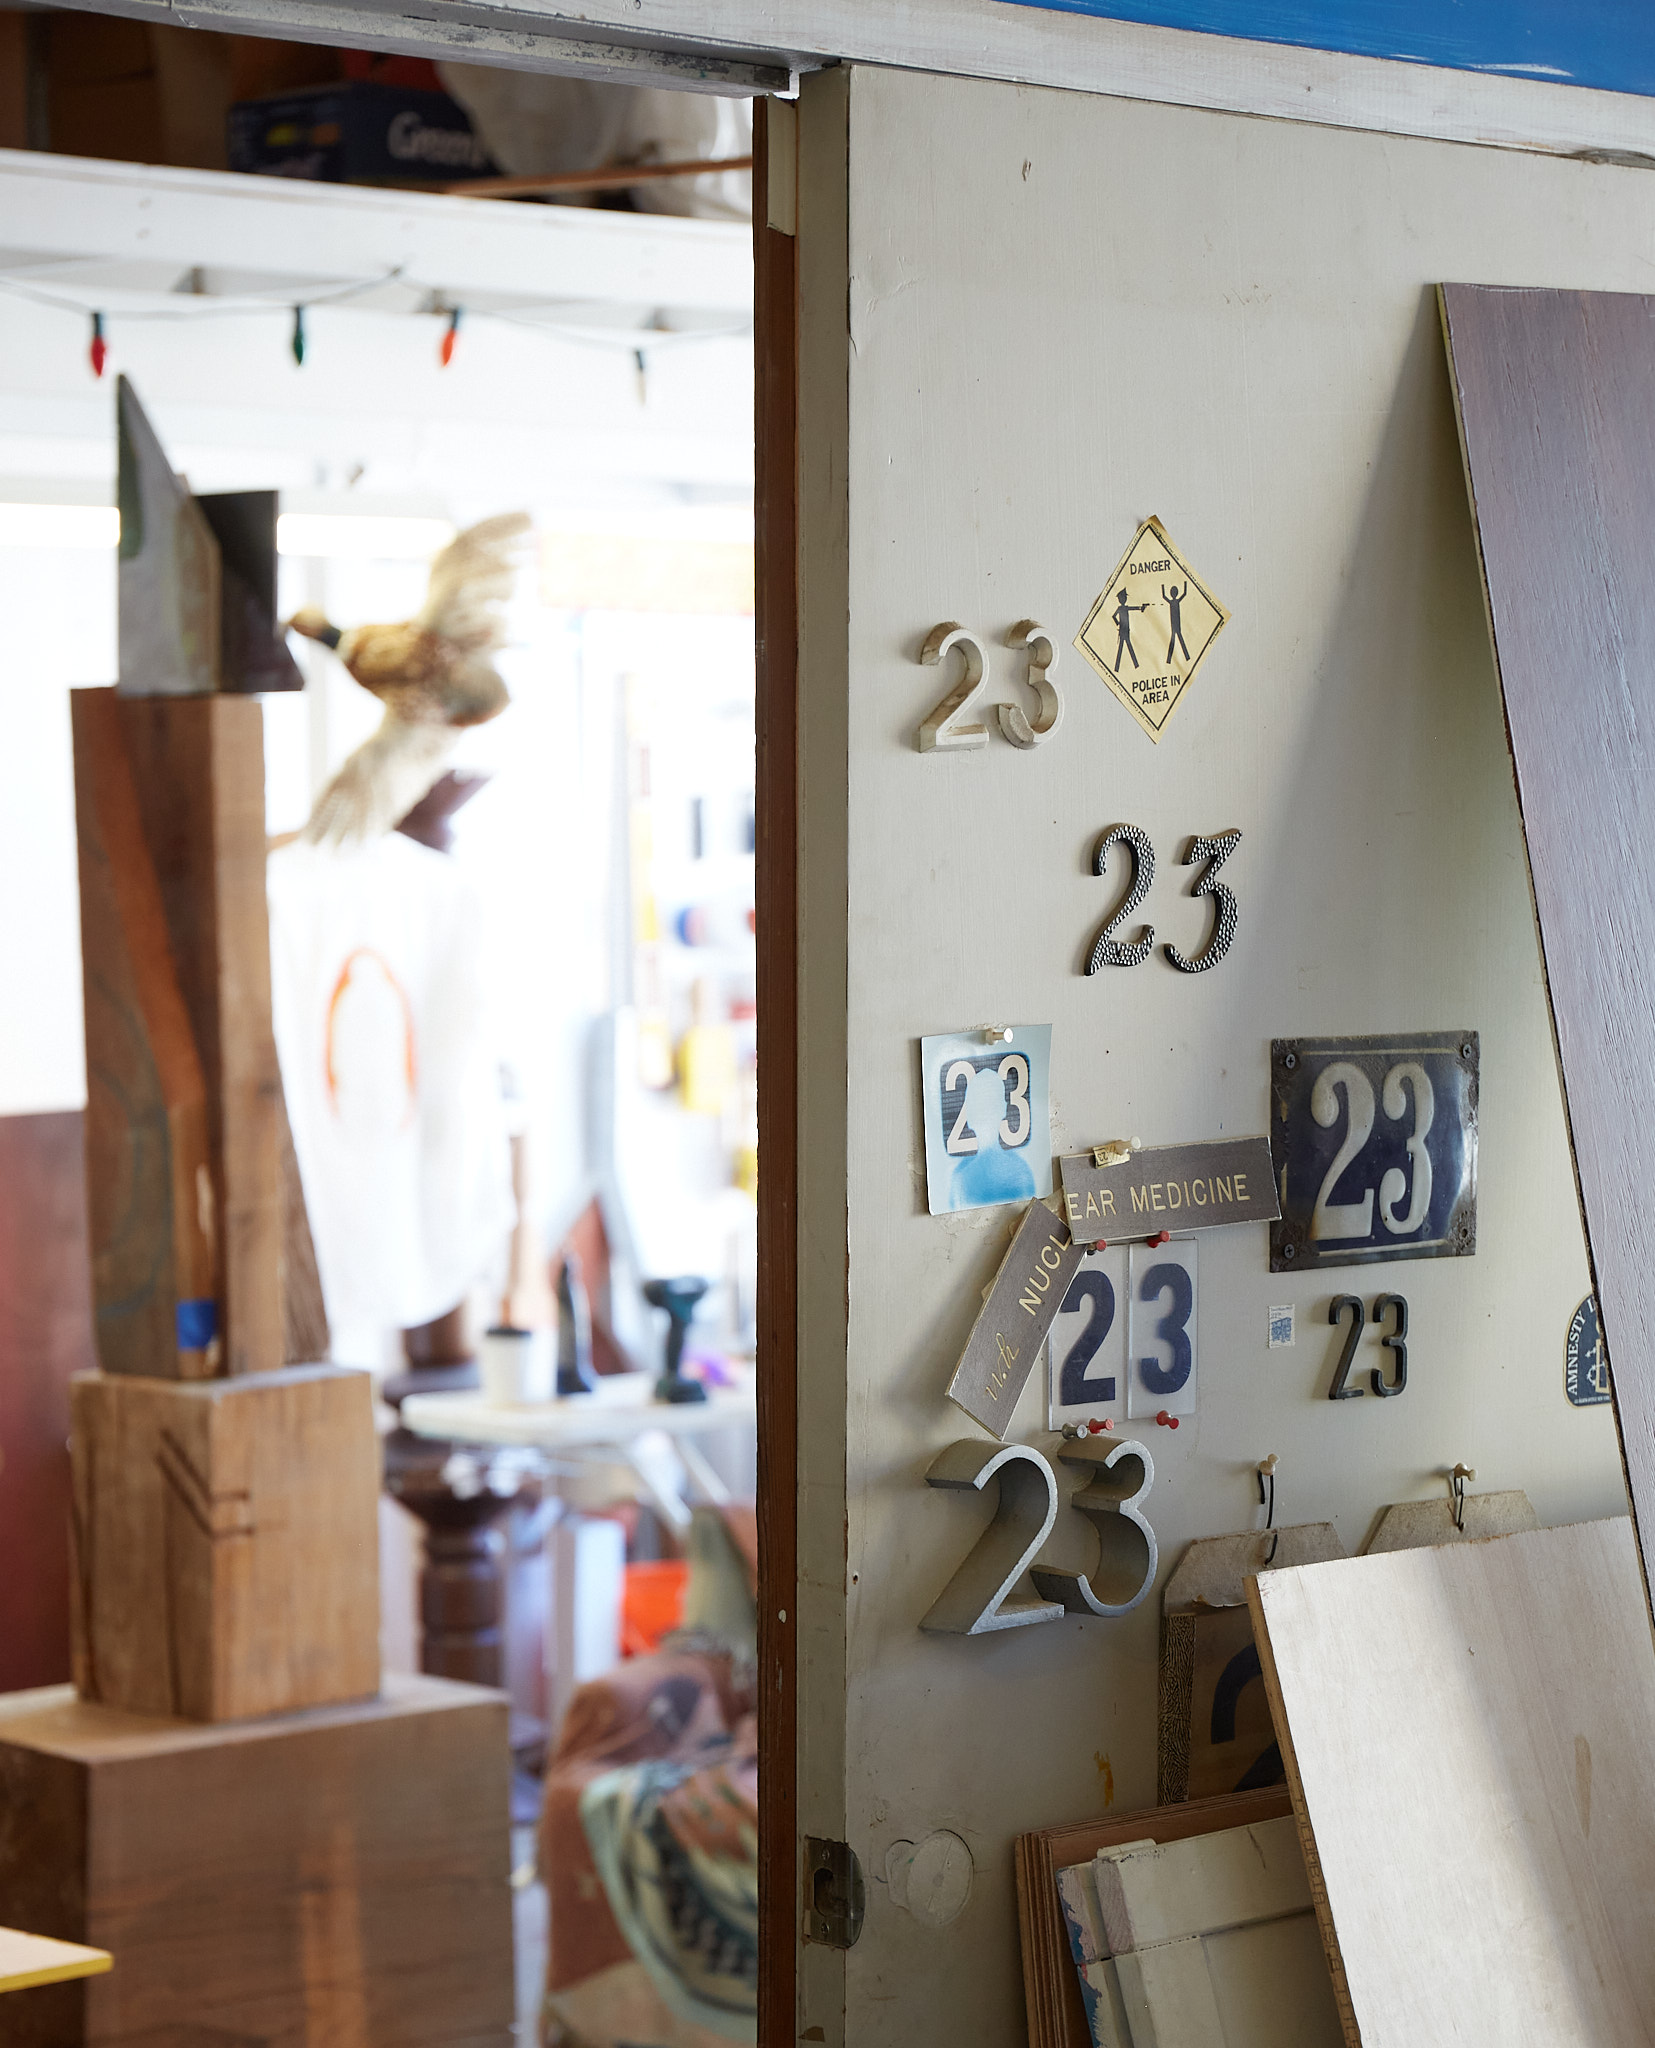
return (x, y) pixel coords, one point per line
(1470, 1741)
(1553, 394)
(1040, 319)
(1056, 2017)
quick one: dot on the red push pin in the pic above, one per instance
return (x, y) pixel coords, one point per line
(1164, 1238)
(1167, 1421)
(1097, 1428)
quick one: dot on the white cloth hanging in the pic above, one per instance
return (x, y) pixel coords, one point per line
(392, 1081)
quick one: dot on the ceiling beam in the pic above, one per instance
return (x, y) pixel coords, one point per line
(73, 208)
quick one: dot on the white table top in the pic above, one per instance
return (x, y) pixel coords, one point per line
(579, 1420)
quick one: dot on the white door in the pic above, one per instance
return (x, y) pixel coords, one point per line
(1029, 320)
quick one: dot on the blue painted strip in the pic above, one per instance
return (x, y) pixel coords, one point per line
(1609, 44)
(197, 1324)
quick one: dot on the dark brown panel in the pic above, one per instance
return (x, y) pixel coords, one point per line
(776, 333)
(1558, 426)
(45, 1337)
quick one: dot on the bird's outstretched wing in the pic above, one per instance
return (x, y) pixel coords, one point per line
(380, 783)
(471, 580)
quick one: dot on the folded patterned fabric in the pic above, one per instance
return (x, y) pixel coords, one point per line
(670, 1740)
(676, 1845)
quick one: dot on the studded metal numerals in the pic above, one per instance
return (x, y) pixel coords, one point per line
(1107, 950)
(1210, 852)
(1215, 852)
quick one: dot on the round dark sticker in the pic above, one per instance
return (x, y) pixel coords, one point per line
(1585, 1362)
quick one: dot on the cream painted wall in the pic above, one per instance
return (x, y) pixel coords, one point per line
(1066, 313)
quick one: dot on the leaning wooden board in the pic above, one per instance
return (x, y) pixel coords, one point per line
(1469, 1735)
(1558, 431)
(149, 1154)
(1051, 1990)
(198, 767)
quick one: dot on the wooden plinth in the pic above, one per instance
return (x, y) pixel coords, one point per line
(340, 1876)
(226, 1542)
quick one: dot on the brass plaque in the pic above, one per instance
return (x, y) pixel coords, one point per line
(1171, 1188)
(1006, 1338)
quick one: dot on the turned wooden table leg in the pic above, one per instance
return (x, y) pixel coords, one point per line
(462, 1580)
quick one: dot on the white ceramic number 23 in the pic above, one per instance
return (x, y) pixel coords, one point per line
(941, 730)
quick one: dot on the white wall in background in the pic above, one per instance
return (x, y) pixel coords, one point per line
(57, 629)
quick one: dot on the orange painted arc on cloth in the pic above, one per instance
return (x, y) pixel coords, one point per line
(340, 989)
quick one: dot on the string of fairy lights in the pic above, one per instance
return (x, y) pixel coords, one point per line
(448, 315)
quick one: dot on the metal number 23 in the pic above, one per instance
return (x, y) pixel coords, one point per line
(980, 1598)
(1395, 1342)
(1210, 852)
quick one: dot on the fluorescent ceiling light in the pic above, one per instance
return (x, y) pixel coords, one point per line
(59, 526)
(361, 535)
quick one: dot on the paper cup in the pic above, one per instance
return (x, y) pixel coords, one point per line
(516, 1367)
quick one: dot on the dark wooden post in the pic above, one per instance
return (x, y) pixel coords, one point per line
(462, 1581)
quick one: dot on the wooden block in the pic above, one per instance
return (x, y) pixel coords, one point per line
(337, 1879)
(1552, 391)
(1469, 1733)
(1051, 1986)
(149, 1178)
(1410, 1523)
(226, 1542)
(1214, 1733)
(198, 765)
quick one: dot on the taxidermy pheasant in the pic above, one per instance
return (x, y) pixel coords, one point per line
(434, 673)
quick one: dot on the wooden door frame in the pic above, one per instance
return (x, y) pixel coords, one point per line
(776, 622)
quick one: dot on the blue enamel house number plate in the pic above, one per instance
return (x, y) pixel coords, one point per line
(1374, 1146)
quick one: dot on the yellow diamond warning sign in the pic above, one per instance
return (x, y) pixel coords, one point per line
(1150, 628)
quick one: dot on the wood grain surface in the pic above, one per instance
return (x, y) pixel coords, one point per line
(226, 1542)
(148, 1133)
(1558, 435)
(198, 765)
(339, 1877)
(1469, 1734)
(45, 1338)
(1056, 2017)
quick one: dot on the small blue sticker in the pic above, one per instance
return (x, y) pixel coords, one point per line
(1281, 1327)
(1585, 1362)
(197, 1324)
